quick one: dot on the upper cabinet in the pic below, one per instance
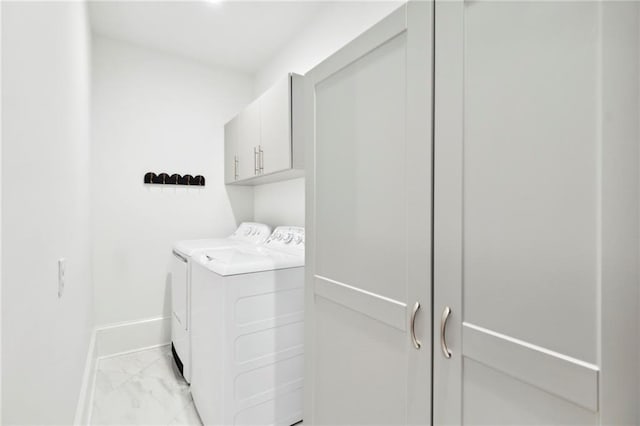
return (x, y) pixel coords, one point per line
(248, 141)
(263, 143)
(230, 155)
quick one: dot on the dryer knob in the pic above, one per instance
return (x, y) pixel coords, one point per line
(288, 238)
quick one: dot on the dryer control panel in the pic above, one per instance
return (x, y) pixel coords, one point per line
(287, 237)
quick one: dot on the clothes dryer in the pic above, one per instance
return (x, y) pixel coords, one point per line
(248, 332)
(248, 233)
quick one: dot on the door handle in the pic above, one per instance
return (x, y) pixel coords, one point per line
(255, 160)
(261, 158)
(235, 167)
(443, 329)
(416, 342)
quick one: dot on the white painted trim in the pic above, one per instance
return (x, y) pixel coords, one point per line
(159, 345)
(0, 218)
(131, 336)
(527, 345)
(385, 309)
(128, 323)
(83, 408)
(390, 27)
(114, 340)
(561, 375)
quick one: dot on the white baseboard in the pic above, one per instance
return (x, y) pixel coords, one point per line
(115, 339)
(132, 336)
(86, 390)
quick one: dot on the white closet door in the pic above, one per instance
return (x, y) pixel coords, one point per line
(368, 226)
(535, 245)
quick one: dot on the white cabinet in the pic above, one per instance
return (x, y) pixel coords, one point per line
(230, 151)
(264, 142)
(368, 227)
(523, 224)
(535, 236)
(275, 128)
(248, 141)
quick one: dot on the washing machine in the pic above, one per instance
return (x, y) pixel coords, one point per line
(248, 233)
(248, 332)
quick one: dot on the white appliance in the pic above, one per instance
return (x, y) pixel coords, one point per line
(247, 334)
(248, 233)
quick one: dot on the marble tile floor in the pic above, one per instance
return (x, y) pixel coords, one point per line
(142, 388)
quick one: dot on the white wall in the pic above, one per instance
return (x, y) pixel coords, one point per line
(156, 112)
(45, 201)
(336, 25)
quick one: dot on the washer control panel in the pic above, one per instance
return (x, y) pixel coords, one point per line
(287, 237)
(252, 232)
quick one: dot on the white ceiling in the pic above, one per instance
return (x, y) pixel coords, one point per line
(241, 35)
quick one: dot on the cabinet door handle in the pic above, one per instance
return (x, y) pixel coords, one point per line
(235, 167)
(443, 329)
(255, 160)
(261, 157)
(416, 342)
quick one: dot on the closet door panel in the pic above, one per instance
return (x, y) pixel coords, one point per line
(523, 110)
(360, 110)
(495, 398)
(359, 349)
(530, 172)
(368, 224)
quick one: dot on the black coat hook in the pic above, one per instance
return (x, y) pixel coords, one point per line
(174, 179)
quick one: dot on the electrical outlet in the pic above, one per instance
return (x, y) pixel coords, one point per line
(61, 273)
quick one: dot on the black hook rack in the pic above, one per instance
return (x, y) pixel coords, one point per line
(174, 179)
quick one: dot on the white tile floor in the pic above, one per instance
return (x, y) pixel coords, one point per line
(142, 388)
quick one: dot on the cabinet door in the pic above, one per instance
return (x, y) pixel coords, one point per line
(368, 227)
(531, 246)
(275, 127)
(248, 141)
(231, 150)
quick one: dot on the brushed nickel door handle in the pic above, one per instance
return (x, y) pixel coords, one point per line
(416, 342)
(261, 159)
(443, 329)
(255, 161)
(235, 167)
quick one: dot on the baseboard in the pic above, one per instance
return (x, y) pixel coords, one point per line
(83, 408)
(115, 339)
(132, 336)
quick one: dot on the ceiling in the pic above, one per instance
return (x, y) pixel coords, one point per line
(241, 35)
